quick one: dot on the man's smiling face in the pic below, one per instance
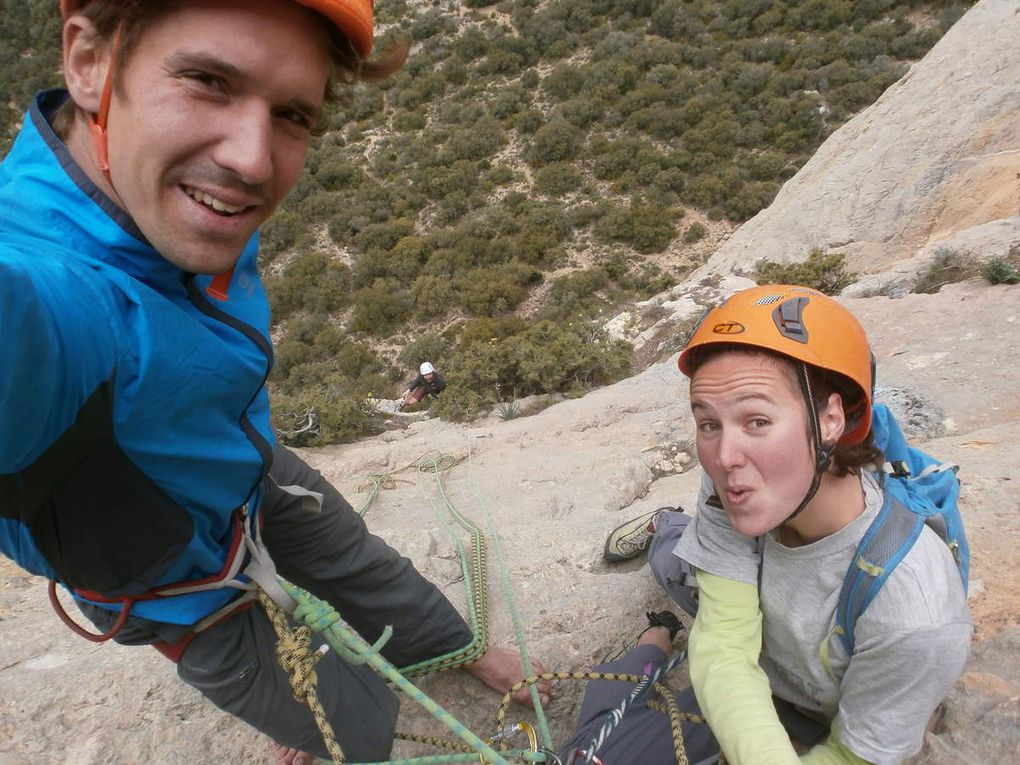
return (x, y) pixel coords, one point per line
(209, 128)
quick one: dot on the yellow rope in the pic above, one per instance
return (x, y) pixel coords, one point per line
(293, 651)
(669, 707)
(440, 743)
(295, 656)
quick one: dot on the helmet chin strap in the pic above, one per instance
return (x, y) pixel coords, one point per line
(219, 286)
(97, 123)
(822, 453)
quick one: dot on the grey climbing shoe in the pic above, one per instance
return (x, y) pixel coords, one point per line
(630, 539)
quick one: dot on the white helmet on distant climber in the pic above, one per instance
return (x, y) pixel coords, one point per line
(426, 368)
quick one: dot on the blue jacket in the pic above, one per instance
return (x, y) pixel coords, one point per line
(134, 418)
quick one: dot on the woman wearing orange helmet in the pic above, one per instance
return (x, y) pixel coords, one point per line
(781, 382)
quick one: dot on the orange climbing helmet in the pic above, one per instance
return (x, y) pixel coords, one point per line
(797, 322)
(352, 17)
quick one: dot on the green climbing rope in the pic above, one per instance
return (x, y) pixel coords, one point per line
(437, 465)
(321, 617)
(475, 578)
(511, 605)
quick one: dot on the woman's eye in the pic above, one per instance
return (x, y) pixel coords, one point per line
(758, 422)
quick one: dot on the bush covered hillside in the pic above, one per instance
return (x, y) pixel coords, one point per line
(534, 165)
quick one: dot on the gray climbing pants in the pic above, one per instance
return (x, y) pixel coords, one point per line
(331, 554)
(643, 736)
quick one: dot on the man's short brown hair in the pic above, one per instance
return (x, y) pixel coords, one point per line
(134, 17)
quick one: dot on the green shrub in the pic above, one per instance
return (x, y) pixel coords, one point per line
(508, 410)
(337, 173)
(501, 61)
(576, 295)
(434, 295)
(558, 178)
(581, 112)
(279, 233)
(426, 346)
(472, 44)
(611, 159)
(947, 266)
(528, 121)
(507, 102)
(564, 81)
(748, 198)
(402, 263)
(645, 226)
(491, 291)
(314, 354)
(382, 236)
(381, 308)
(484, 330)
(458, 403)
(500, 175)
(497, 359)
(694, 233)
(314, 281)
(554, 142)
(409, 120)
(320, 418)
(475, 141)
(430, 23)
(552, 357)
(823, 271)
(1000, 271)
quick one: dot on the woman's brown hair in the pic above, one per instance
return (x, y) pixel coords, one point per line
(845, 459)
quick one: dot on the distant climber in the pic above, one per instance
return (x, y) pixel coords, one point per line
(427, 382)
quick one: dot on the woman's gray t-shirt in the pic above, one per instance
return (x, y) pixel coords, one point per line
(911, 643)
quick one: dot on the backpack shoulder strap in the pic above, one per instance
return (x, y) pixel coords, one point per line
(886, 542)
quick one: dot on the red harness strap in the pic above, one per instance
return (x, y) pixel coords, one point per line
(125, 610)
(233, 564)
(174, 651)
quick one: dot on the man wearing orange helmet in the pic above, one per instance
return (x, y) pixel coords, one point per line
(781, 385)
(138, 467)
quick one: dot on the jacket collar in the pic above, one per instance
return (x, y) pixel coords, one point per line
(49, 197)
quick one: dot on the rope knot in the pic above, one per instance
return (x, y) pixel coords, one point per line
(296, 657)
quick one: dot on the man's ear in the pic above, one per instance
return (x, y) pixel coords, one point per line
(832, 419)
(86, 58)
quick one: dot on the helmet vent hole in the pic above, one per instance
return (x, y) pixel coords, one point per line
(789, 319)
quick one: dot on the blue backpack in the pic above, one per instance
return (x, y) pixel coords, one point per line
(919, 491)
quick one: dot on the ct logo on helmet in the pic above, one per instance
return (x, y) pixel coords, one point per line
(728, 328)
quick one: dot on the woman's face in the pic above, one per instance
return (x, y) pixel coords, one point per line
(752, 437)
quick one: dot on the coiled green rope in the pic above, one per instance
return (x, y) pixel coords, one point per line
(321, 617)
(511, 604)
